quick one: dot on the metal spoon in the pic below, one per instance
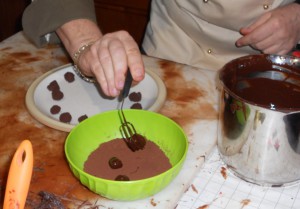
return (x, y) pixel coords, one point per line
(133, 140)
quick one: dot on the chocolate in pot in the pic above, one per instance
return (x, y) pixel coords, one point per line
(259, 118)
(258, 80)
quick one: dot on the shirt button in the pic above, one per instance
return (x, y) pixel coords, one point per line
(205, 1)
(266, 6)
(209, 51)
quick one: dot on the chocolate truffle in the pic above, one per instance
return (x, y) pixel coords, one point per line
(122, 178)
(55, 109)
(136, 106)
(65, 117)
(69, 77)
(82, 118)
(57, 94)
(115, 163)
(53, 86)
(135, 96)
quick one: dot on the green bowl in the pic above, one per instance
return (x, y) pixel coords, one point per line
(90, 133)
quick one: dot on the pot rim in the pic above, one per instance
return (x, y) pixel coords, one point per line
(221, 74)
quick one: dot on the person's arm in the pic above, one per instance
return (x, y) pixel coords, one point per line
(276, 32)
(43, 17)
(107, 57)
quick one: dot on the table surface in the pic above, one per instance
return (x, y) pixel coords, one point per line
(192, 102)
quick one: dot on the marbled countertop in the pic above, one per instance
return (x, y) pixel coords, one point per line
(192, 99)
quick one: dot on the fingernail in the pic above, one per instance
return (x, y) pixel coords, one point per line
(114, 92)
(139, 73)
(120, 84)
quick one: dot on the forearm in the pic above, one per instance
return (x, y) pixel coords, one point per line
(42, 17)
(77, 33)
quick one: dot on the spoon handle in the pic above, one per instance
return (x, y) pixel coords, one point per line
(19, 177)
(127, 85)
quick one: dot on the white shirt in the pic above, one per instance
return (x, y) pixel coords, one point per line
(202, 33)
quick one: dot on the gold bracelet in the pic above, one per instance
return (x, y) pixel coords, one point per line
(76, 57)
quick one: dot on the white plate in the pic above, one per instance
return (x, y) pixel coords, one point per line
(83, 98)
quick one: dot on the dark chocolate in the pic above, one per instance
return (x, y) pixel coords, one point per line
(57, 95)
(82, 118)
(136, 142)
(115, 163)
(135, 96)
(65, 117)
(69, 77)
(49, 200)
(53, 86)
(136, 106)
(122, 178)
(260, 81)
(55, 109)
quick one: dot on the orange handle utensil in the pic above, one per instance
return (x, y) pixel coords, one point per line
(19, 177)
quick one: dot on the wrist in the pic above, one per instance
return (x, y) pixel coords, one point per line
(77, 33)
(76, 56)
(78, 36)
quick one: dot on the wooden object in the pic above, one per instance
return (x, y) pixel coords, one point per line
(129, 15)
(10, 16)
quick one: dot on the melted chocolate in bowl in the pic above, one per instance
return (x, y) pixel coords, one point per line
(268, 81)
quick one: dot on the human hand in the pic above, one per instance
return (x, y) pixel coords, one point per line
(108, 60)
(275, 32)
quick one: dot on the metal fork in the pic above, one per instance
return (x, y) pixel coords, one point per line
(133, 140)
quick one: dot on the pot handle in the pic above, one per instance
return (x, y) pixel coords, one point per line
(19, 177)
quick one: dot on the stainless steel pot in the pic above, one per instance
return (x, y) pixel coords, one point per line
(259, 140)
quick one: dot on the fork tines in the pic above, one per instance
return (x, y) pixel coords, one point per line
(133, 140)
